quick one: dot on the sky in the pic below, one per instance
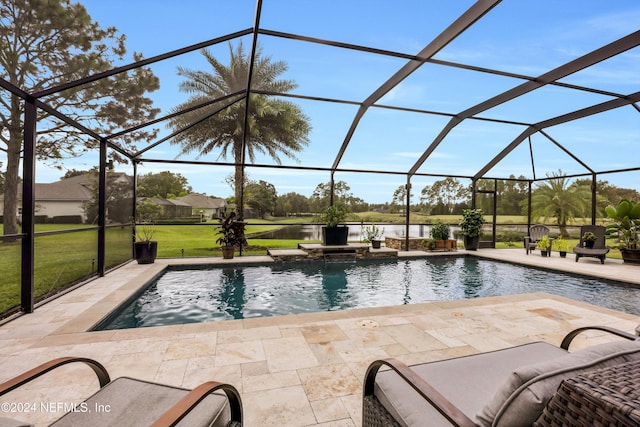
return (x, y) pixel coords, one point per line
(513, 37)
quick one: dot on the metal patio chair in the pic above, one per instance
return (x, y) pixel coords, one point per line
(536, 232)
(599, 249)
(508, 387)
(134, 403)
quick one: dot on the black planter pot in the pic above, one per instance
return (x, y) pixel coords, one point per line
(563, 254)
(630, 256)
(589, 243)
(146, 252)
(335, 236)
(375, 244)
(471, 243)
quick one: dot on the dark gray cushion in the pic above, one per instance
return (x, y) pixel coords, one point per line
(527, 389)
(129, 402)
(468, 382)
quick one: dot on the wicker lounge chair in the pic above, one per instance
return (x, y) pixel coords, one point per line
(134, 402)
(508, 387)
(599, 249)
(536, 232)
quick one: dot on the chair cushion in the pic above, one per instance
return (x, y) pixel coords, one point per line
(528, 388)
(10, 422)
(468, 382)
(130, 402)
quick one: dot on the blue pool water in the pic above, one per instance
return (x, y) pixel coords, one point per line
(223, 293)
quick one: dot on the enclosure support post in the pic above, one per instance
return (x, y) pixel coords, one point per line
(407, 214)
(529, 207)
(594, 195)
(473, 194)
(134, 208)
(102, 207)
(28, 207)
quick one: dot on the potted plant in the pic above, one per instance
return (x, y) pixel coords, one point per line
(373, 234)
(543, 245)
(471, 228)
(626, 226)
(562, 246)
(232, 234)
(589, 239)
(430, 244)
(145, 248)
(440, 234)
(332, 216)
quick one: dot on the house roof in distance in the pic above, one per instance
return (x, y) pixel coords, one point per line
(202, 201)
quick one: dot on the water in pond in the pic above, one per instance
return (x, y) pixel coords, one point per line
(314, 232)
(216, 293)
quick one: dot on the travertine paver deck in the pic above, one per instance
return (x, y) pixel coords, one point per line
(299, 370)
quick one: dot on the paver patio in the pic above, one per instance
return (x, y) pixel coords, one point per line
(297, 370)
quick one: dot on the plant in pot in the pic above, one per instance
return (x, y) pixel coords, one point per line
(471, 228)
(626, 226)
(544, 245)
(430, 244)
(231, 234)
(562, 246)
(440, 234)
(589, 239)
(332, 233)
(145, 248)
(373, 234)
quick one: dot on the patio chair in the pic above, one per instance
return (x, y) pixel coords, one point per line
(507, 387)
(599, 250)
(132, 402)
(536, 232)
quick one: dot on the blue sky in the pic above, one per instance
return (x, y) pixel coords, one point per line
(514, 37)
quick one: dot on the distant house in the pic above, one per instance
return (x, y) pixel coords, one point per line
(69, 196)
(171, 208)
(201, 204)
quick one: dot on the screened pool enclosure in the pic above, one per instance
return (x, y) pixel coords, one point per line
(400, 97)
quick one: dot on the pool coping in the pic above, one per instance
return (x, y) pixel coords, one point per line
(137, 275)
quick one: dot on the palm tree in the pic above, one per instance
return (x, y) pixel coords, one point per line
(557, 198)
(275, 126)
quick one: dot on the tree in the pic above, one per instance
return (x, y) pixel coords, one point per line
(275, 126)
(557, 198)
(45, 44)
(399, 199)
(445, 193)
(321, 197)
(292, 203)
(119, 197)
(261, 196)
(163, 184)
(608, 194)
(1, 179)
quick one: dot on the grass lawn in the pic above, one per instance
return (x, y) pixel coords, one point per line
(60, 260)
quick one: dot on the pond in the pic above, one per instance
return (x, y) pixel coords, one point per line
(314, 231)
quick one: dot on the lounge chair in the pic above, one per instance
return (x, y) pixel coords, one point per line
(599, 250)
(508, 387)
(132, 402)
(536, 232)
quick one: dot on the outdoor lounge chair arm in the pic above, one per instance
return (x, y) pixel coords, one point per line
(571, 335)
(430, 394)
(195, 396)
(101, 372)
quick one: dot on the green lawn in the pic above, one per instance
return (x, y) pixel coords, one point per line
(60, 260)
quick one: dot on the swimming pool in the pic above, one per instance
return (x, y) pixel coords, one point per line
(212, 293)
